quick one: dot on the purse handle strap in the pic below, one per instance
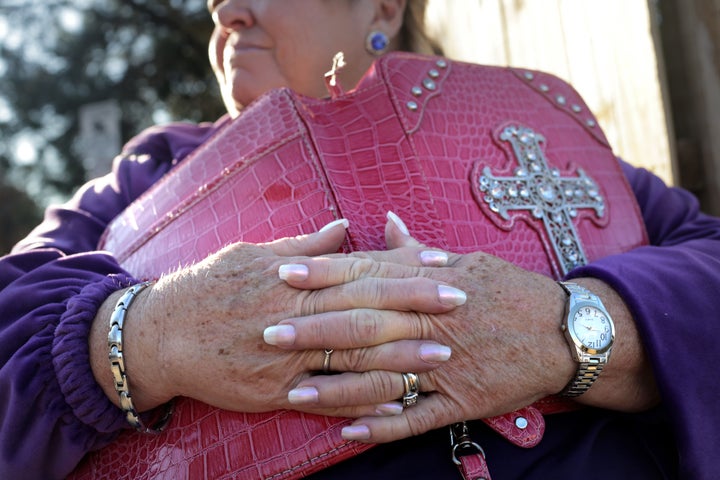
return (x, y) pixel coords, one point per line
(467, 455)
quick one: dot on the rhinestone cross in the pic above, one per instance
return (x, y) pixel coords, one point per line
(539, 189)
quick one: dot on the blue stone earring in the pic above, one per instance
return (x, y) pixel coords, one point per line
(376, 43)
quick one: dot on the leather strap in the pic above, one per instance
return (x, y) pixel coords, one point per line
(474, 467)
(466, 454)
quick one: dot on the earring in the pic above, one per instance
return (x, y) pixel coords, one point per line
(376, 43)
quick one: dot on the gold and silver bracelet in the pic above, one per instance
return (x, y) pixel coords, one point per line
(117, 364)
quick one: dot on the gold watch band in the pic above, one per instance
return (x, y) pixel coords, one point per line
(586, 375)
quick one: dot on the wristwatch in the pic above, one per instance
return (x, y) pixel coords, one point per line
(590, 332)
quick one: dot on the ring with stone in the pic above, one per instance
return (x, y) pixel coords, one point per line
(412, 388)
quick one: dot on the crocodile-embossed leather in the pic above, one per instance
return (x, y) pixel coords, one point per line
(474, 467)
(411, 137)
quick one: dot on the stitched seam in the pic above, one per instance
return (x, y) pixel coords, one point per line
(309, 461)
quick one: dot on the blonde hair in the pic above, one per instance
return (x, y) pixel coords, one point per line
(413, 36)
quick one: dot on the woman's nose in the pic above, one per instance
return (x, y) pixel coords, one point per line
(234, 14)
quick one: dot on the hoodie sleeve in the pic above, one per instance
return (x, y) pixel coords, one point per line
(52, 411)
(672, 288)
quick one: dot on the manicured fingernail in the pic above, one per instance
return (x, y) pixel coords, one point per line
(451, 296)
(279, 335)
(430, 258)
(330, 225)
(303, 395)
(294, 272)
(399, 223)
(389, 409)
(434, 352)
(356, 432)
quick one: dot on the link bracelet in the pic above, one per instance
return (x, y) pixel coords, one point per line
(117, 364)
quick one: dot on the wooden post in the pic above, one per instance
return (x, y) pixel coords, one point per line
(690, 36)
(604, 48)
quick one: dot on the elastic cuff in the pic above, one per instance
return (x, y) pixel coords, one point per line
(71, 356)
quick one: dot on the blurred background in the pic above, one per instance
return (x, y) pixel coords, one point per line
(78, 78)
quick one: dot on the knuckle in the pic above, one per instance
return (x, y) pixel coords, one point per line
(381, 385)
(314, 332)
(359, 268)
(423, 327)
(365, 326)
(357, 360)
(347, 394)
(373, 291)
(308, 302)
(419, 424)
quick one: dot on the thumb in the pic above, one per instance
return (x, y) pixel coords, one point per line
(325, 241)
(397, 234)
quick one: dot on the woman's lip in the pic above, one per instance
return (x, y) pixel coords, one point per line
(245, 48)
(237, 54)
(242, 45)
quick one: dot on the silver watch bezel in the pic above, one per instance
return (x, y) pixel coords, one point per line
(576, 305)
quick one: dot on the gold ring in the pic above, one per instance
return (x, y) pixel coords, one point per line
(326, 361)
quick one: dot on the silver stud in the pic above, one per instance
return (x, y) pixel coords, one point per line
(412, 106)
(591, 123)
(417, 91)
(429, 84)
(521, 423)
(576, 108)
(529, 76)
(433, 73)
(441, 63)
(561, 100)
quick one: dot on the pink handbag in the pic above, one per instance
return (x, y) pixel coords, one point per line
(502, 160)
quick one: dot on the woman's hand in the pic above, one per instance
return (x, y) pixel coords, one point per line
(507, 347)
(197, 332)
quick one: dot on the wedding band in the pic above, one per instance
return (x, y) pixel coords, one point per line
(326, 361)
(412, 387)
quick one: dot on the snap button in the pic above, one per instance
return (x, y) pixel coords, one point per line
(521, 423)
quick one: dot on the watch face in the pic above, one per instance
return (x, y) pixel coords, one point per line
(592, 328)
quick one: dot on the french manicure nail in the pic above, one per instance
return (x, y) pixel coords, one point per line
(356, 432)
(279, 335)
(399, 223)
(389, 409)
(431, 258)
(294, 272)
(303, 395)
(434, 352)
(330, 225)
(451, 296)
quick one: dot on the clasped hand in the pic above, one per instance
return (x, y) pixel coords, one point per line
(197, 331)
(477, 355)
(482, 334)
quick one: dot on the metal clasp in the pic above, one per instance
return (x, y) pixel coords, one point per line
(461, 442)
